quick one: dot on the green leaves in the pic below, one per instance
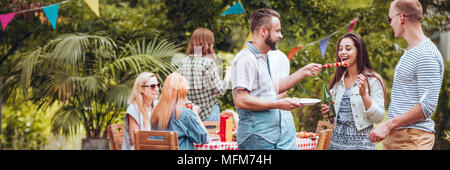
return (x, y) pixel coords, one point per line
(84, 75)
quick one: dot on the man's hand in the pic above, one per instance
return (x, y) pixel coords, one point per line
(288, 104)
(380, 132)
(311, 69)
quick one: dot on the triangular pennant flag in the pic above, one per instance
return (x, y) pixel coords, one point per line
(237, 8)
(6, 18)
(249, 38)
(293, 51)
(323, 46)
(352, 25)
(52, 13)
(93, 4)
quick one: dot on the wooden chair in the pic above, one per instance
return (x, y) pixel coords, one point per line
(169, 141)
(215, 124)
(324, 139)
(323, 125)
(115, 135)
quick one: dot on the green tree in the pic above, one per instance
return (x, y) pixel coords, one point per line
(89, 77)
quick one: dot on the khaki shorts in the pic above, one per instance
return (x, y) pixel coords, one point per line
(409, 139)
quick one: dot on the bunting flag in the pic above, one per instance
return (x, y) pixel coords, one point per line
(93, 4)
(293, 51)
(352, 25)
(323, 46)
(52, 14)
(237, 8)
(323, 42)
(6, 18)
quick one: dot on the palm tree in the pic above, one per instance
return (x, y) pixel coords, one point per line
(90, 77)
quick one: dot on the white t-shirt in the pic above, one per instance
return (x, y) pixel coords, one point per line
(133, 110)
(279, 64)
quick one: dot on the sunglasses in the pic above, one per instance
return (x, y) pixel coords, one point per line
(390, 19)
(153, 86)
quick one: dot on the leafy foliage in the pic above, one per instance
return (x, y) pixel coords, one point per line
(84, 74)
(90, 74)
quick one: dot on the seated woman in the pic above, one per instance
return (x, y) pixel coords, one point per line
(141, 101)
(171, 114)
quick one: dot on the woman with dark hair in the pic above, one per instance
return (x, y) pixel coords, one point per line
(358, 94)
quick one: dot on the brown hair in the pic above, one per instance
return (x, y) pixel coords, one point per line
(362, 61)
(262, 17)
(409, 8)
(201, 37)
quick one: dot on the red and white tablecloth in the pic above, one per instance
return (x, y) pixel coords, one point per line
(307, 143)
(302, 144)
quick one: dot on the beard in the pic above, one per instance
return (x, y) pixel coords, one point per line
(270, 43)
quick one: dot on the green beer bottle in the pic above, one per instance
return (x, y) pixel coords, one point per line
(328, 100)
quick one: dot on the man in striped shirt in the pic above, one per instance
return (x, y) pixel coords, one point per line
(417, 82)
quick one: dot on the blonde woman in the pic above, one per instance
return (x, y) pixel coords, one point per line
(170, 114)
(141, 102)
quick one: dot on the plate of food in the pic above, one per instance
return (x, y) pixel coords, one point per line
(307, 101)
(310, 135)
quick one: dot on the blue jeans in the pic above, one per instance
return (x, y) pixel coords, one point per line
(255, 142)
(288, 132)
(215, 114)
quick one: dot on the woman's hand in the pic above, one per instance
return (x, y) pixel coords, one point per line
(362, 84)
(324, 109)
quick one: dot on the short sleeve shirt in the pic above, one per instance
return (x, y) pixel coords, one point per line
(250, 71)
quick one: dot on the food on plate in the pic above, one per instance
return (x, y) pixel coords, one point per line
(303, 134)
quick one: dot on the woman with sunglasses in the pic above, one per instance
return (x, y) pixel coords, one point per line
(171, 114)
(358, 92)
(141, 103)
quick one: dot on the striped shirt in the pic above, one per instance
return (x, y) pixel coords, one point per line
(250, 71)
(417, 79)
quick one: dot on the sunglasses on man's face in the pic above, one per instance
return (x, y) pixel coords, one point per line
(153, 86)
(390, 19)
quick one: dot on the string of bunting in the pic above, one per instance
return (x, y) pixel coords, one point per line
(50, 11)
(323, 42)
(237, 8)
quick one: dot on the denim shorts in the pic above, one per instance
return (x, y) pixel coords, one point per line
(215, 114)
(255, 142)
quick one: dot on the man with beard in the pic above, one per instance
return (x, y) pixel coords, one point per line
(254, 92)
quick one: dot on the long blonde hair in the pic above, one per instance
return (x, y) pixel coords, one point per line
(137, 98)
(174, 93)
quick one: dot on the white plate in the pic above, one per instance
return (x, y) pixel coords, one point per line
(309, 101)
